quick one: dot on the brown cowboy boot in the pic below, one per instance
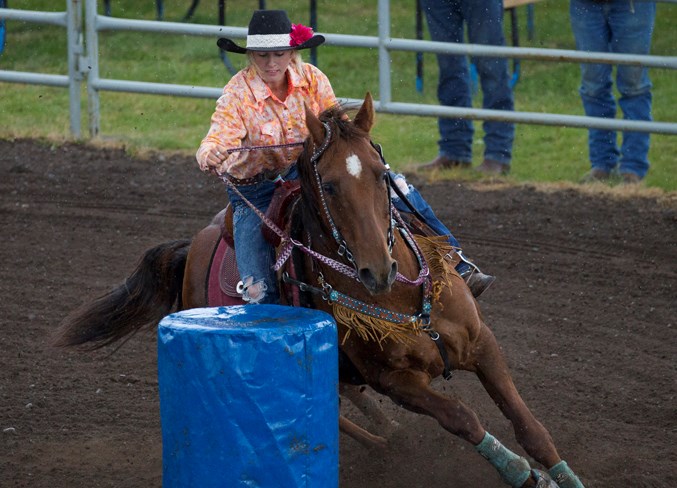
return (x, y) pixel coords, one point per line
(492, 167)
(630, 179)
(477, 281)
(442, 162)
(596, 175)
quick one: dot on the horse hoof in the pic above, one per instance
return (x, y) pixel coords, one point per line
(543, 479)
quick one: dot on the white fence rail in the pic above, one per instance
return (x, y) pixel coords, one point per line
(84, 66)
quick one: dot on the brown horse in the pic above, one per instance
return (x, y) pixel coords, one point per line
(404, 316)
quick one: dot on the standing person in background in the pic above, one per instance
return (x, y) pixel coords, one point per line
(484, 21)
(619, 26)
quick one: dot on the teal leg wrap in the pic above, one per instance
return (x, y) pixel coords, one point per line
(514, 469)
(564, 477)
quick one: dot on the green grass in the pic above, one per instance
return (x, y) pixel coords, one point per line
(140, 122)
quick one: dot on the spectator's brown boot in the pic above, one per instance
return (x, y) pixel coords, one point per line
(443, 162)
(595, 175)
(630, 179)
(493, 167)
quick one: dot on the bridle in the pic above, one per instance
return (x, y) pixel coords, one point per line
(343, 249)
(289, 243)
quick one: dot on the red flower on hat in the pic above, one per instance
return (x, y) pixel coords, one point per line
(299, 34)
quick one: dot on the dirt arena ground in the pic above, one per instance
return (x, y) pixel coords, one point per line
(584, 307)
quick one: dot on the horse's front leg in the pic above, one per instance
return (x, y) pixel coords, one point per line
(493, 372)
(411, 389)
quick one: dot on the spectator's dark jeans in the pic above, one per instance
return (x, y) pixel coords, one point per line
(621, 26)
(484, 20)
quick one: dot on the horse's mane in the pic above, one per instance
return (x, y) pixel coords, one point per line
(343, 125)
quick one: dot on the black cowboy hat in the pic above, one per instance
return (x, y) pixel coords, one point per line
(271, 30)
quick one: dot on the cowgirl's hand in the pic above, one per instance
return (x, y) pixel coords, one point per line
(215, 158)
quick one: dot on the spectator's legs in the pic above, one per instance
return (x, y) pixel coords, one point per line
(631, 30)
(446, 25)
(592, 33)
(485, 26)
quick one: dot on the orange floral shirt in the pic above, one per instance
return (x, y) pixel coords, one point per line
(249, 114)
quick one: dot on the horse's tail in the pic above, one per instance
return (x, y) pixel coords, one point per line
(151, 292)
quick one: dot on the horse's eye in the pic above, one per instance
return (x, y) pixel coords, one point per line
(328, 188)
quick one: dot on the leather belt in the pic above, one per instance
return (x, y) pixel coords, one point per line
(269, 175)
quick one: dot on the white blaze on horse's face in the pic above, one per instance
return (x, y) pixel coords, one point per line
(354, 165)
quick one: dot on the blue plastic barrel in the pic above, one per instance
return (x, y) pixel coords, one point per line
(249, 397)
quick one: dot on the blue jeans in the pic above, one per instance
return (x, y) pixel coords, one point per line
(255, 256)
(423, 208)
(484, 19)
(621, 26)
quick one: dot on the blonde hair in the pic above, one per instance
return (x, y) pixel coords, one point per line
(296, 61)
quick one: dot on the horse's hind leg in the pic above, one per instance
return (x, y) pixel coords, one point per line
(364, 437)
(369, 407)
(492, 371)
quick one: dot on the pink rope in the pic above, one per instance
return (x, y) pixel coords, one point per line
(272, 146)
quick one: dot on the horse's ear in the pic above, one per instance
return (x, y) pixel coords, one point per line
(315, 127)
(365, 117)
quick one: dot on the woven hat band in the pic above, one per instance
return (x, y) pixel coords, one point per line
(268, 41)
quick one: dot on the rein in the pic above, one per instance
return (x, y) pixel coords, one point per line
(255, 148)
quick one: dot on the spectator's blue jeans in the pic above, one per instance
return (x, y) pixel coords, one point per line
(484, 19)
(621, 26)
(255, 256)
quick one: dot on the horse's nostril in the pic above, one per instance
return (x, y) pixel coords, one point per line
(367, 278)
(393, 273)
(378, 283)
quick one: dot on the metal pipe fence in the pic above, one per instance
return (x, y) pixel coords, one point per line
(71, 19)
(94, 23)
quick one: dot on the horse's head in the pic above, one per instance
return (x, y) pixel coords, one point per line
(344, 182)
